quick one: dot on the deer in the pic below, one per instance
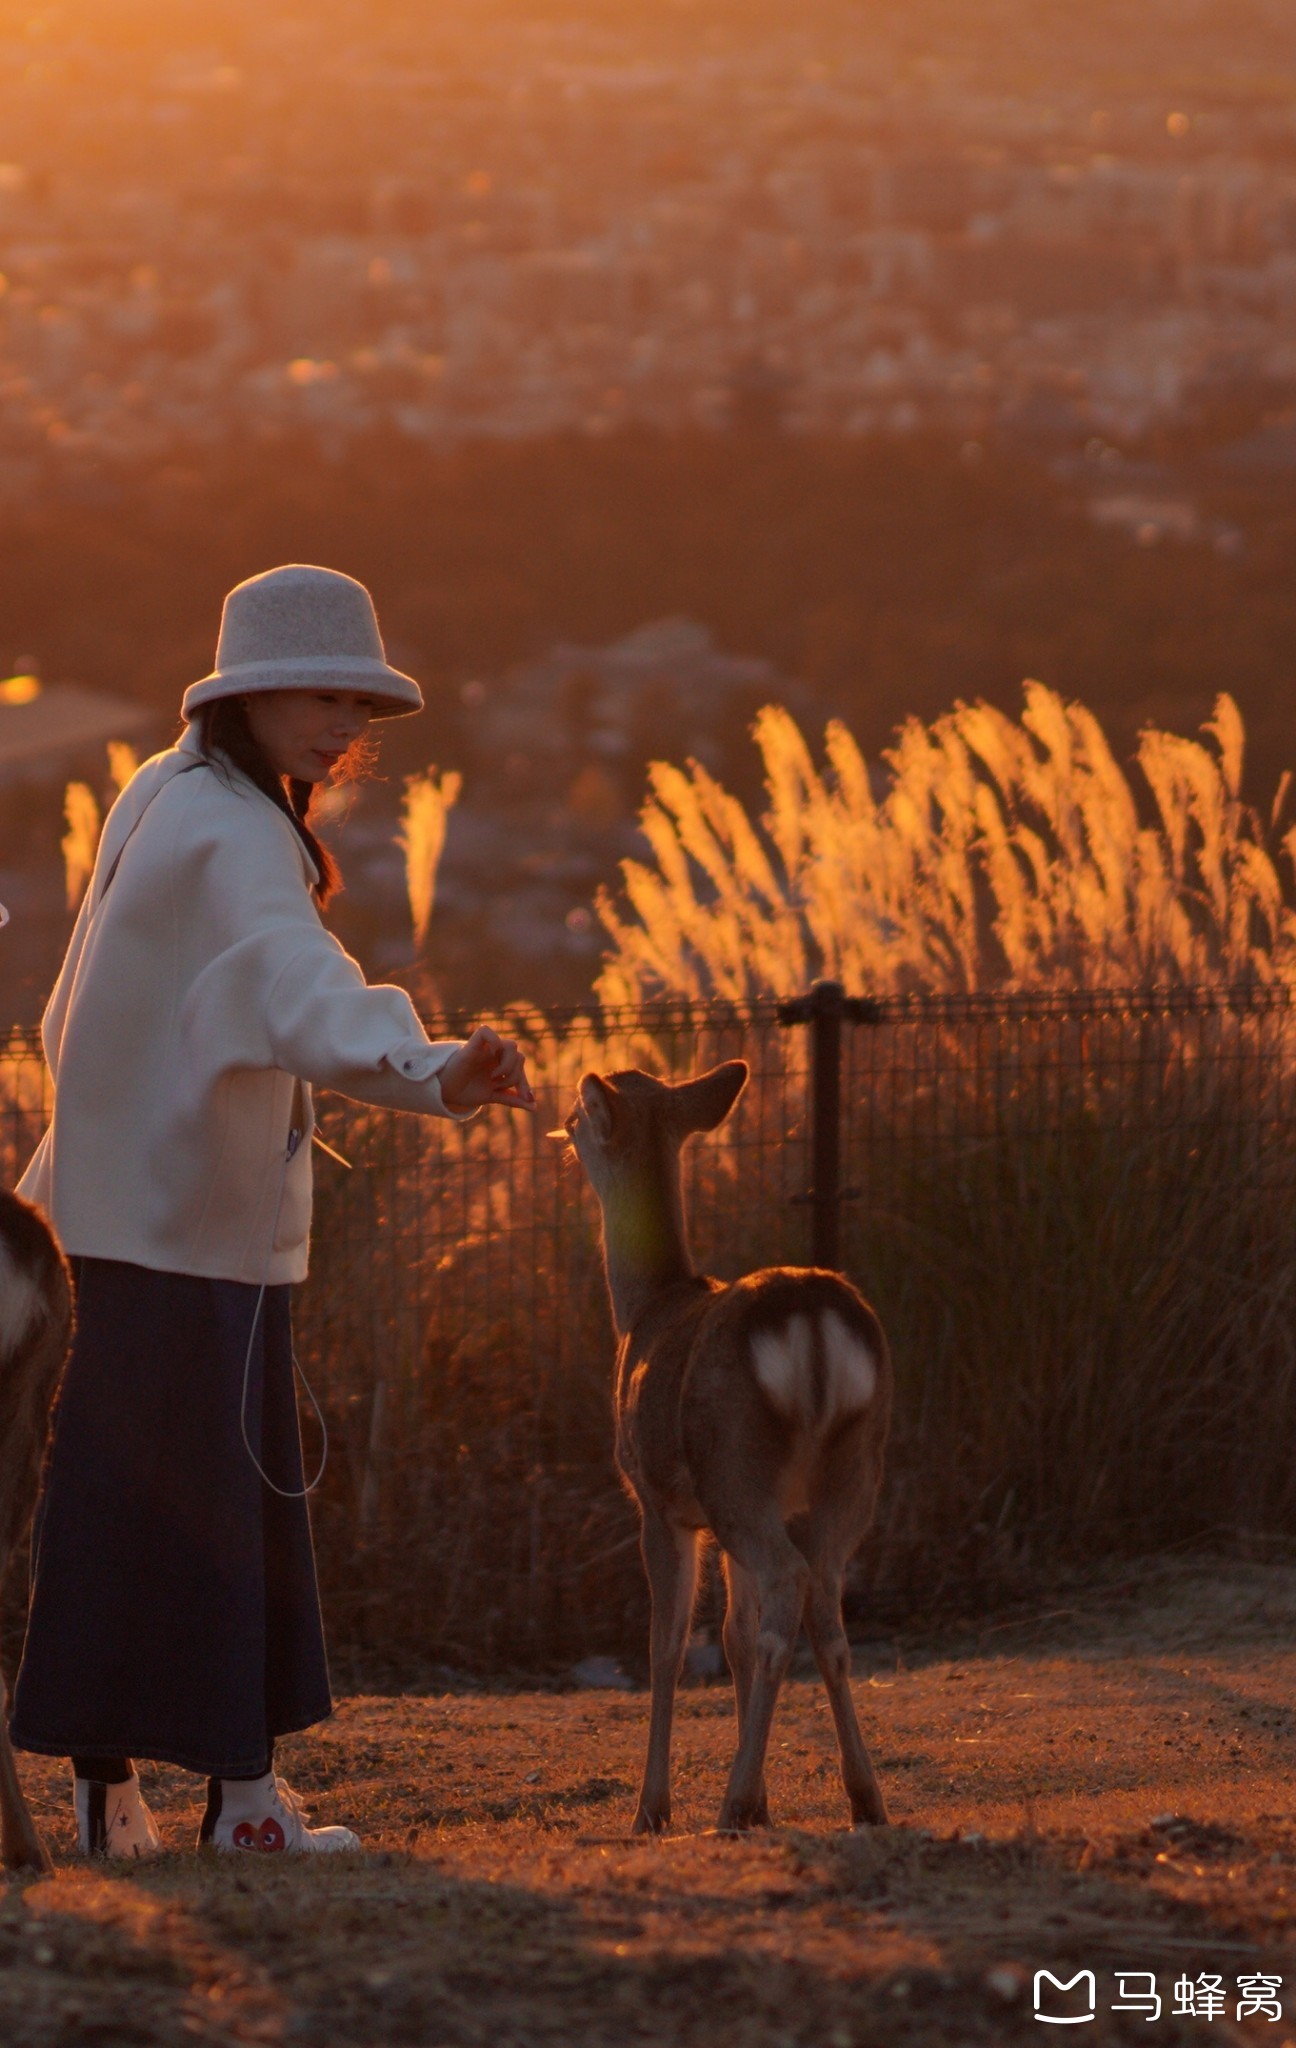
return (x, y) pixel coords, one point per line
(35, 1332)
(754, 1409)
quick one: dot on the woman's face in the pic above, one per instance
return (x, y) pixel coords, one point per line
(306, 732)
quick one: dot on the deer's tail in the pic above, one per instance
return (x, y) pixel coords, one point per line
(816, 1368)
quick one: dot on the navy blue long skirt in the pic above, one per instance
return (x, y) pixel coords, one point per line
(174, 1610)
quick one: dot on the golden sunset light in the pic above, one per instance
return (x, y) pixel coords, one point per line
(647, 1022)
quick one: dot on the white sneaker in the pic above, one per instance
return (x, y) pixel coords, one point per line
(112, 1820)
(265, 1816)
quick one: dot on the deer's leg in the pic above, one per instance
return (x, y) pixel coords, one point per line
(21, 1847)
(832, 1655)
(741, 1626)
(670, 1560)
(781, 1575)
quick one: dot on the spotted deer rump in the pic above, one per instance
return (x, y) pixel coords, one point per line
(788, 1377)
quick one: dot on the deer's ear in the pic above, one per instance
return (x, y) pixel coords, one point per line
(599, 1104)
(703, 1104)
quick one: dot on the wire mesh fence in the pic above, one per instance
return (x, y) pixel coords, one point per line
(1074, 1213)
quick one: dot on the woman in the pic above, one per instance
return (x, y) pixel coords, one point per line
(174, 1610)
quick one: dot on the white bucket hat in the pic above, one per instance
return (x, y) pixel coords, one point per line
(302, 628)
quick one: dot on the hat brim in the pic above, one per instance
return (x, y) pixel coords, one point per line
(395, 695)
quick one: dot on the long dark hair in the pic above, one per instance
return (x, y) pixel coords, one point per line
(223, 729)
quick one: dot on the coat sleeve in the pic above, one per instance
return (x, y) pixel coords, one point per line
(279, 990)
(330, 1027)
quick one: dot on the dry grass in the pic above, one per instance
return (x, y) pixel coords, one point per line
(122, 763)
(425, 810)
(1031, 1768)
(986, 852)
(81, 839)
(84, 820)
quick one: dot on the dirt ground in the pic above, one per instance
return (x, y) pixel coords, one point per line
(1103, 1787)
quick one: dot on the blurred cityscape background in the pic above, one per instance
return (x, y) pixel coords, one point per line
(651, 362)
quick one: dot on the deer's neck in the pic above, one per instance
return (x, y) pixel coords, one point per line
(645, 1246)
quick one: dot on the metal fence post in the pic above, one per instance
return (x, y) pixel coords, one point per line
(825, 1009)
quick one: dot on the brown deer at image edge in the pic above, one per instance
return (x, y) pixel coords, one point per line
(35, 1329)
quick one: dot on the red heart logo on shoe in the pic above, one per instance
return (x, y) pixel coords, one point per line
(268, 1837)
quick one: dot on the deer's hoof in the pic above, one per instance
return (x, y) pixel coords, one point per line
(870, 1816)
(740, 1820)
(648, 1822)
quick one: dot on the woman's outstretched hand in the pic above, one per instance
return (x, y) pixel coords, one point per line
(487, 1069)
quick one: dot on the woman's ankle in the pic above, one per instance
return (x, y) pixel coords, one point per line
(103, 1770)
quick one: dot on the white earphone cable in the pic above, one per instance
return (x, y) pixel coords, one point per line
(284, 1493)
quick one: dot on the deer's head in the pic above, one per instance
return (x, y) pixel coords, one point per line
(627, 1127)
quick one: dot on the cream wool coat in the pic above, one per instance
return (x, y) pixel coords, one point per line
(200, 999)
